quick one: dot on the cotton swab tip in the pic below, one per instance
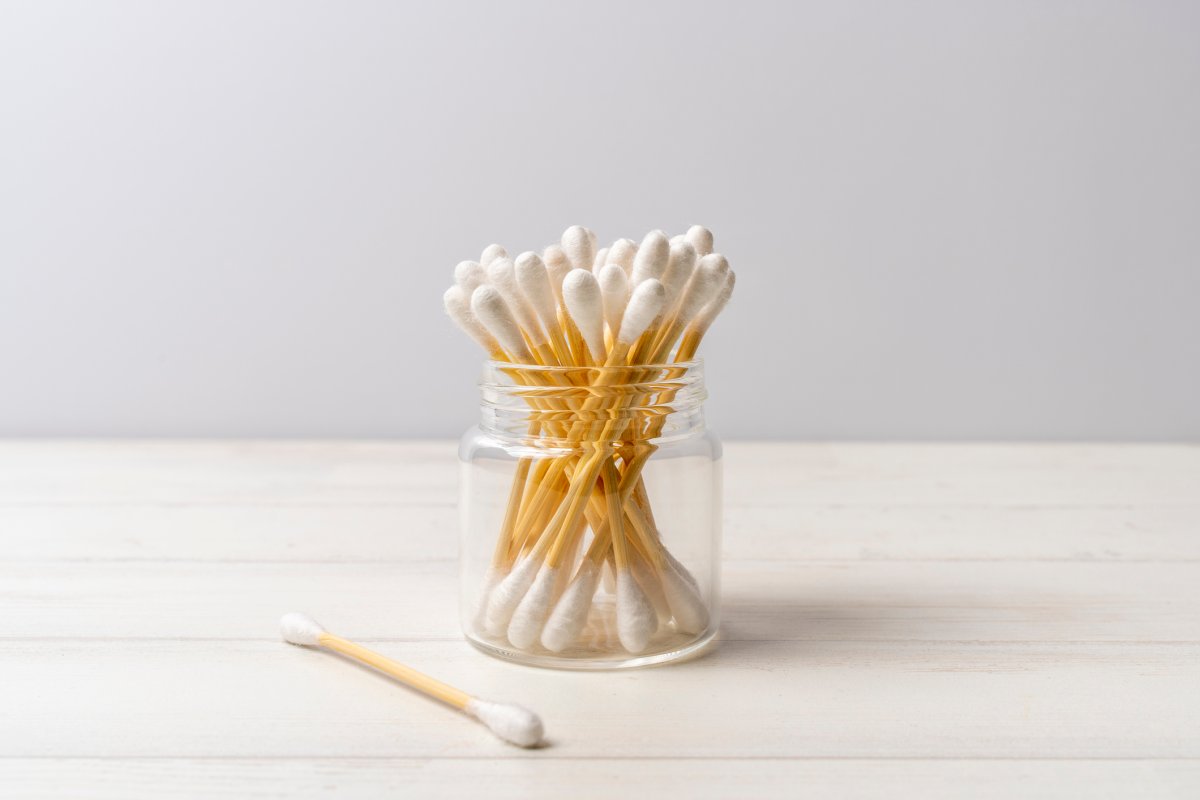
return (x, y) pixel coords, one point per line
(491, 253)
(581, 294)
(514, 724)
(577, 244)
(469, 275)
(301, 629)
(645, 304)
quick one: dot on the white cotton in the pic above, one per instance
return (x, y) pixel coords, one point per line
(677, 238)
(600, 260)
(651, 259)
(581, 295)
(491, 310)
(680, 267)
(527, 621)
(458, 306)
(706, 315)
(514, 724)
(503, 275)
(622, 253)
(680, 568)
(691, 615)
(648, 579)
(614, 293)
(609, 578)
(490, 254)
(591, 234)
(701, 239)
(569, 616)
(577, 244)
(636, 620)
(469, 275)
(503, 600)
(557, 265)
(494, 576)
(706, 283)
(644, 305)
(534, 281)
(298, 628)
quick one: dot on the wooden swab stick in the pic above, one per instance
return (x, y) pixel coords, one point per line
(512, 723)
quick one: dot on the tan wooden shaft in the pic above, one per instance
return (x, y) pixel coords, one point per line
(406, 675)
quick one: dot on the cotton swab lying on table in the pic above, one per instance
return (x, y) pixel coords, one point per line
(512, 723)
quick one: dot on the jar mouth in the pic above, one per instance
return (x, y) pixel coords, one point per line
(641, 402)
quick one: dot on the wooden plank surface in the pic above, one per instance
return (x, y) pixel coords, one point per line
(900, 620)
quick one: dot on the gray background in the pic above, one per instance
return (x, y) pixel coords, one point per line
(949, 220)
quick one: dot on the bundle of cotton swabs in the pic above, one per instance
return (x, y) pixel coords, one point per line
(600, 312)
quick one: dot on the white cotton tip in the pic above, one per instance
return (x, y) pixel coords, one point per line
(600, 260)
(513, 724)
(458, 306)
(534, 281)
(505, 598)
(581, 295)
(570, 614)
(527, 621)
(577, 244)
(300, 628)
(557, 265)
(715, 306)
(677, 238)
(502, 274)
(493, 577)
(680, 267)
(609, 578)
(490, 309)
(701, 239)
(490, 254)
(684, 572)
(622, 253)
(636, 620)
(614, 294)
(644, 305)
(706, 283)
(651, 259)
(691, 615)
(648, 579)
(469, 275)
(591, 234)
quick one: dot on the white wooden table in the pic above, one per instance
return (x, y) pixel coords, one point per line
(900, 621)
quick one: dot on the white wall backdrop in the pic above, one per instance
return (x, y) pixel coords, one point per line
(949, 219)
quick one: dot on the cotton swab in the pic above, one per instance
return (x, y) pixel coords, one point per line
(570, 615)
(680, 266)
(490, 254)
(614, 292)
(578, 244)
(458, 306)
(622, 253)
(581, 294)
(512, 723)
(502, 274)
(701, 239)
(636, 618)
(651, 258)
(491, 310)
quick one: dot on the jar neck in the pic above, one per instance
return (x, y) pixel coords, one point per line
(589, 406)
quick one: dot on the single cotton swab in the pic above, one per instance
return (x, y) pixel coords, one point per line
(490, 254)
(512, 723)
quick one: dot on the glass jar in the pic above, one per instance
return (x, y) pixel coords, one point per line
(560, 453)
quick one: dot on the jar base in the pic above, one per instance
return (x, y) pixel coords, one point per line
(599, 663)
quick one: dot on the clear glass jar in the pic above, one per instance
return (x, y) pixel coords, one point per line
(560, 452)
